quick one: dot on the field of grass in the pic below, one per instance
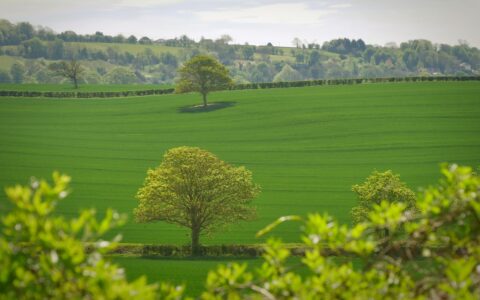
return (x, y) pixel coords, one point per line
(132, 48)
(191, 272)
(6, 62)
(81, 87)
(277, 58)
(305, 146)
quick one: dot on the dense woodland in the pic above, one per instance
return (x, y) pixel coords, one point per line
(27, 51)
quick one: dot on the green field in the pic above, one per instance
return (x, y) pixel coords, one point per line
(305, 146)
(190, 272)
(132, 48)
(81, 88)
(6, 62)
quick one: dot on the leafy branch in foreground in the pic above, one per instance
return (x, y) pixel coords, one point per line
(43, 256)
(433, 253)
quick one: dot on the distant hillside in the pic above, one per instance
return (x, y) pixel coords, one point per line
(26, 51)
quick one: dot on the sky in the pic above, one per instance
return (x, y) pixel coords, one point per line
(259, 21)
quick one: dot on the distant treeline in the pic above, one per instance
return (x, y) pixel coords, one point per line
(14, 34)
(338, 58)
(264, 85)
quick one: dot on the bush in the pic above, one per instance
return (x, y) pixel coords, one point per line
(434, 254)
(42, 256)
(184, 251)
(5, 77)
(121, 76)
(380, 186)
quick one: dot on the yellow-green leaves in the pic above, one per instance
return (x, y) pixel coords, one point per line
(378, 187)
(195, 189)
(432, 254)
(387, 215)
(44, 256)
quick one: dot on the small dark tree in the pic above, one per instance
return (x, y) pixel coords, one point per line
(71, 70)
(132, 39)
(195, 189)
(17, 71)
(203, 74)
(5, 77)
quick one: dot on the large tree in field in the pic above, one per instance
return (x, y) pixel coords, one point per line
(203, 74)
(195, 189)
(71, 70)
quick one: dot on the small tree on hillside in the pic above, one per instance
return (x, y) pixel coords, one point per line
(71, 70)
(203, 74)
(377, 188)
(287, 74)
(18, 72)
(195, 189)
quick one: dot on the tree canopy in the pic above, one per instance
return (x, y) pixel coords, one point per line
(71, 70)
(17, 71)
(287, 74)
(378, 187)
(195, 189)
(203, 74)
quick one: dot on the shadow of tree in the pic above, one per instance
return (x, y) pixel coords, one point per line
(210, 107)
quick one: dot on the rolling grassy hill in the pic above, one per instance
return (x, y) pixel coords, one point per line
(132, 48)
(305, 146)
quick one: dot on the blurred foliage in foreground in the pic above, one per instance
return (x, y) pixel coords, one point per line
(431, 252)
(43, 256)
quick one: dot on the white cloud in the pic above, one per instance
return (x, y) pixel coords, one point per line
(71, 5)
(286, 13)
(146, 3)
(340, 5)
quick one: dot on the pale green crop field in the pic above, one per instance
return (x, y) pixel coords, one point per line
(132, 48)
(305, 146)
(6, 62)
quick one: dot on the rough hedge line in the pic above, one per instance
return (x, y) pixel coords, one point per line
(263, 85)
(349, 81)
(85, 94)
(184, 251)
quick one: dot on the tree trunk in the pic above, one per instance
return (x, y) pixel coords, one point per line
(75, 82)
(204, 100)
(195, 241)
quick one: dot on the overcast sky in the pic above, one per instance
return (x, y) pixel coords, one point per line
(259, 21)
